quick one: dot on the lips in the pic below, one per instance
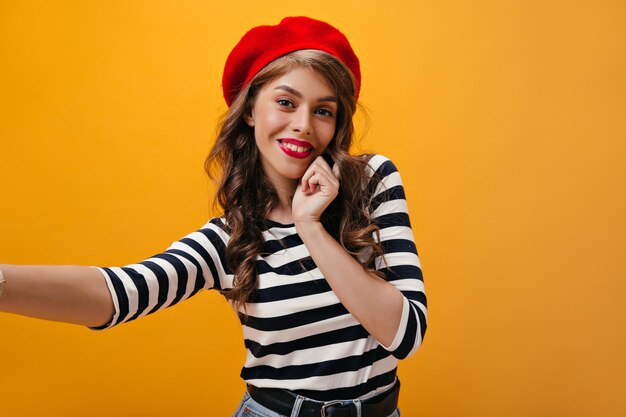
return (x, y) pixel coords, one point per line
(296, 148)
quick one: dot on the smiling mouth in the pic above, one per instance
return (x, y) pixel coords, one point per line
(295, 147)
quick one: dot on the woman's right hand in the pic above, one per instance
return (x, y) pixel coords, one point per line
(318, 187)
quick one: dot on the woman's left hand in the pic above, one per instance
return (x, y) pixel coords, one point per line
(316, 190)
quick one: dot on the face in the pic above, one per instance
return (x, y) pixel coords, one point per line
(294, 118)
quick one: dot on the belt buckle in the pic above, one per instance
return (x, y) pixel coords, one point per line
(330, 404)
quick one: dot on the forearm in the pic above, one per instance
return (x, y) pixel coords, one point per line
(71, 294)
(375, 303)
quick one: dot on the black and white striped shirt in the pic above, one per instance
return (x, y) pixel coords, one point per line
(298, 336)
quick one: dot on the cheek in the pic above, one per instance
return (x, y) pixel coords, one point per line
(329, 132)
(269, 120)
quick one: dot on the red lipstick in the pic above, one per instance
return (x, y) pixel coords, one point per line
(295, 148)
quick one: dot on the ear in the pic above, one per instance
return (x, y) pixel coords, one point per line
(248, 117)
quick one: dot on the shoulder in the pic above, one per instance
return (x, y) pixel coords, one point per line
(216, 227)
(385, 183)
(379, 166)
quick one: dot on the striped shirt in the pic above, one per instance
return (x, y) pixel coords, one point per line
(297, 334)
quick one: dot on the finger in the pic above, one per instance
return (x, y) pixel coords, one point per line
(315, 167)
(312, 182)
(332, 172)
(322, 164)
(319, 165)
(306, 177)
(324, 182)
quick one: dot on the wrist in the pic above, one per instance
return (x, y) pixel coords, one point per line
(308, 226)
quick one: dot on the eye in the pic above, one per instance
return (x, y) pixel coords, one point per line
(283, 102)
(324, 112)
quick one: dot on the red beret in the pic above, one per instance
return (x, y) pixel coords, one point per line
(263, 44)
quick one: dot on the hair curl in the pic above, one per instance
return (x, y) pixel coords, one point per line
(247, 196)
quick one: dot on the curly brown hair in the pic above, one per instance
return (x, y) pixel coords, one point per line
(247, 196)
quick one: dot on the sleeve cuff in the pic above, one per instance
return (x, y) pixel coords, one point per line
(116, 306)
(401, 328)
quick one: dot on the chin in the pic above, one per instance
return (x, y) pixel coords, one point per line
(295, 171)
(293, 174)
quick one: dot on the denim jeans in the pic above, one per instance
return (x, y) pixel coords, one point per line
(250, 408)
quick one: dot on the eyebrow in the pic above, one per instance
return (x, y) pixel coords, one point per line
(299, 95)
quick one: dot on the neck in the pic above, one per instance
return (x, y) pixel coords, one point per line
(282, 212)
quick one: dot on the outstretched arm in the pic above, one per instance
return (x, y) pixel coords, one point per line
(105, 297)
(71, 294)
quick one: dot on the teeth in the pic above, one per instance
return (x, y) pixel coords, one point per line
(295, 148)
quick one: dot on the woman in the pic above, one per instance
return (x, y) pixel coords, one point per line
(314, 249)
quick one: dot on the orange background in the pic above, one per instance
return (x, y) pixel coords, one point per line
(505, 118)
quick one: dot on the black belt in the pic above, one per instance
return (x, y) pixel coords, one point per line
(282, 401)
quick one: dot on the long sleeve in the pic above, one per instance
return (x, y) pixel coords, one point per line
(191, 264)
(400, 264)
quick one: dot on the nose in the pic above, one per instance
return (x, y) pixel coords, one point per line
(301, 122)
